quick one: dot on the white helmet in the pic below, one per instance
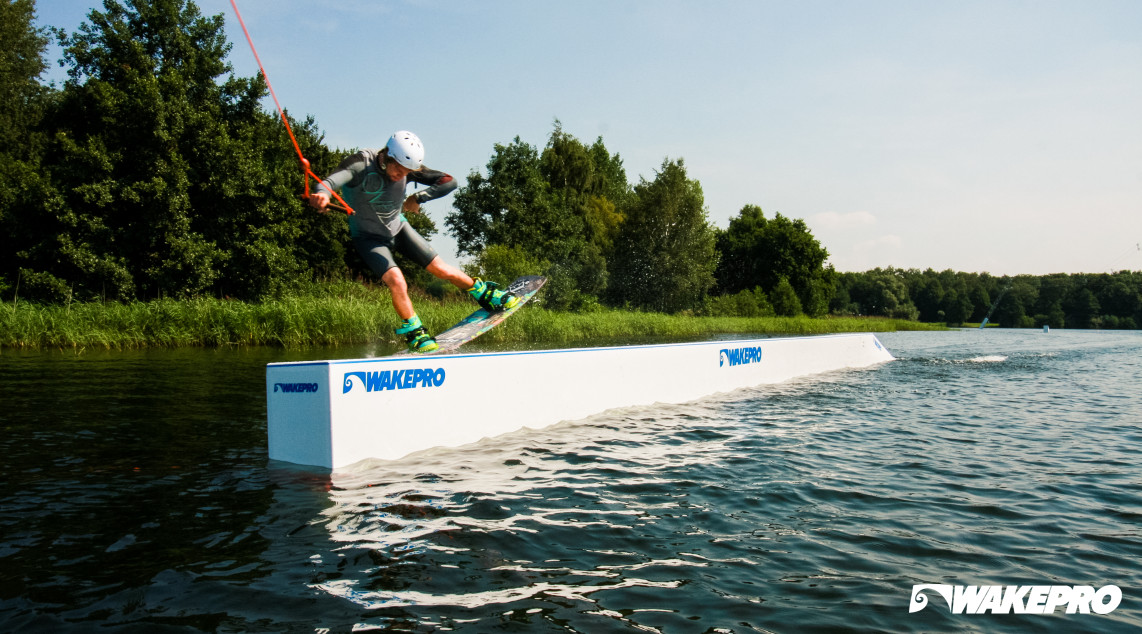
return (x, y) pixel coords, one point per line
(407, 149)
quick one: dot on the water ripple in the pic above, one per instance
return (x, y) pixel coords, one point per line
(813, 505)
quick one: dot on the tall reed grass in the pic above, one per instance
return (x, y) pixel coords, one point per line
(350, 314)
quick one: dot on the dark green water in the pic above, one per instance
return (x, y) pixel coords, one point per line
(136, 495)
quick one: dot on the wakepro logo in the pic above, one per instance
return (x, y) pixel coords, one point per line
(394, 379)
(295, 387)
(739, 356)
(1019, 599)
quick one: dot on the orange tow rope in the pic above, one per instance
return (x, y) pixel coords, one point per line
(304, 162)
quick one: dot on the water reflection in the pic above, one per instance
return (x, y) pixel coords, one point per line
(134, 489)
(557, 515)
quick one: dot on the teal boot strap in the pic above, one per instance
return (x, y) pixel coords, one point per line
(409, 325)
(485, 291)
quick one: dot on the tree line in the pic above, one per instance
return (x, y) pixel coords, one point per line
(569, 210)
(153, 171)
(1079, 300)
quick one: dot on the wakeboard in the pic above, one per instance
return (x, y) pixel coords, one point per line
(482, 321)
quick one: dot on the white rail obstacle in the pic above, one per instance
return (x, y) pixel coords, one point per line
(335, 413)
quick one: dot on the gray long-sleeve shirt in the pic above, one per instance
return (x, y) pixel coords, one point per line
(377, 200)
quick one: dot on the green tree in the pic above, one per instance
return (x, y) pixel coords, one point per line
(511, 205)
(177, 182)
(784, 299)
(882, 292)
(752, 303)
(611, 183)
(140, 84)
(587, 182)
(755, 251)
(1054, 317)
(515, 206)
(665, 252)
(841, 302)
(980, 299)
(559, 206)
(1081, 307)
(1053, 291)
(1011, 311)
(22, 48)
(1121, 295)
(581, 178)
(502, 262)
(957, 307)
(22, 101)
(927, 293)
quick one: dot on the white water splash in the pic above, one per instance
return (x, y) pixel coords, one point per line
(991, 358)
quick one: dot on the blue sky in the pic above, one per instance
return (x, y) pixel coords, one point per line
(1001, 136)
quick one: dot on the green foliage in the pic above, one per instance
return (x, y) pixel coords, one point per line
(1082, 308)
(1026, 301)
(22, 103)
(957, 308)
(560, 206)
(665, 254)
(751, 303)
(928, 296)
(36, 285)
(161, 174)
(784, 299)
(510, 205)
(503, 264)
(587, 183)
(141, 103)
(1011, 309)
(820, 293)
(350, 313)
(756, 251)
(879, 292)
(22, 47)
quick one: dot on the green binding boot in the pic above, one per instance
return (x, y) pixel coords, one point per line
(491, 298)
(417, 337)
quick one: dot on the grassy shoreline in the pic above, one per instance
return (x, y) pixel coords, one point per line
(360, 316)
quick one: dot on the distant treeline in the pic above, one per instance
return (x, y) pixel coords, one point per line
(154, 172)
(1112, 300)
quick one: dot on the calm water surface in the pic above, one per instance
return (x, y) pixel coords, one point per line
(136, 496)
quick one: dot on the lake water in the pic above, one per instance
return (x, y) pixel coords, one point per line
(137, 496)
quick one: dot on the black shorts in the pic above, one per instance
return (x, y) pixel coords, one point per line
(377, 251)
